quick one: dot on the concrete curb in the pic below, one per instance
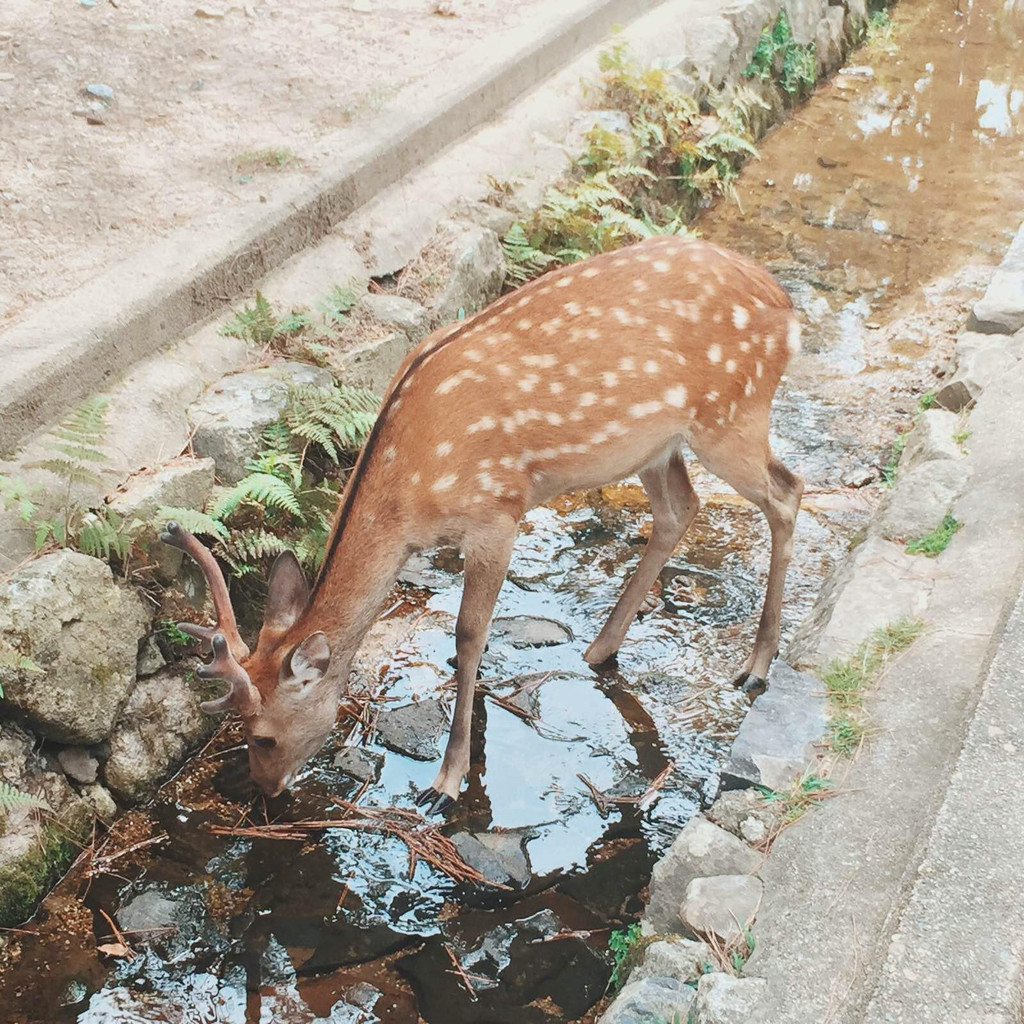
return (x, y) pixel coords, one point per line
(81, 342)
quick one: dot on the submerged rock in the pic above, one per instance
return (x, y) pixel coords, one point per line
(701, 849)
(516, 976)
(722, 906)
(359, 764)
(161, 725)
(66, 613)
(500, 857)
(530, 631)
(413, 729)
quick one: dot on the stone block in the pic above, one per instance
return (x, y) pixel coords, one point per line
(1001, 309)
(921, 499)
(721, 906)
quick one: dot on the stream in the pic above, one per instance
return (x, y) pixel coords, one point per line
(857, 204)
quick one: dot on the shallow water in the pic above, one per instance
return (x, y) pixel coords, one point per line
(875, 204)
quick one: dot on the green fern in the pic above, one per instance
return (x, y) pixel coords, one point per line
(337, 419)
(192, 520)
(12, 799)
(256, 323)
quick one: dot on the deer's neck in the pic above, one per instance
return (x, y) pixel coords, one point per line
(361, 568)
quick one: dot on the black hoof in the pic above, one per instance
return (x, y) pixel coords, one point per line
(439, 802)
(753, 686)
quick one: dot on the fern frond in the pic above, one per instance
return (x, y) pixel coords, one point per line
(191, 519)
(12, 798)
(262, 488)
(336, 418)
(256, 323)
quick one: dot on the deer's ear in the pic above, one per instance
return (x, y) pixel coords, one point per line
(310, 660)
(287, 595)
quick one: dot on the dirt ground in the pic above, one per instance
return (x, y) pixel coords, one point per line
(213, 105)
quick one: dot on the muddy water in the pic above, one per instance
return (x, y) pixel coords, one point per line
(878, 205)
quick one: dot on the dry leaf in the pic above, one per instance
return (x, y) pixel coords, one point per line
(115, 949)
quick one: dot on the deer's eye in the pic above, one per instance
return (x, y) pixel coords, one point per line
(266, 742)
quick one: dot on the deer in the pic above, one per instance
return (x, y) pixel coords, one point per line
(597, 371)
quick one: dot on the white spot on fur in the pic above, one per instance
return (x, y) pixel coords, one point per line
(627, 365)
(590, 272)
(714, 353)
(651, 366)
(640, 285)
(452, 382)
(524, 324)
(544, 361)
(415, 478)
(609, 379)
(769, 344)
(553, 418)
(732, 411)
(484, 423)
(444, 448)
(748, 388)
(587, 398)
(556, 388)
(642, 409)
(576, 416)
(445, 482)
(573, 308)
(529, 382)
(389, 453)
(565, 282)
(676, 397)
(740, 317)
(661, 266)
(759, 368)
(730, 366)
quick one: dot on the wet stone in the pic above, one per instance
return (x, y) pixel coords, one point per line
(413, 729)
(723, 999)
(721, 906)
(528, 631)
(359, 764)
(500, 857)
(651, 1001)
(776, 741)
(173, 922)
(700, 850)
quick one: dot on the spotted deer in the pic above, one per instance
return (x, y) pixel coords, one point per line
(589, 374)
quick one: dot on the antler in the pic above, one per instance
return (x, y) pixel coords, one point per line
(222, 639)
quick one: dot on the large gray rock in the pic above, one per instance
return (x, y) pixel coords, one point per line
(804, 16)
(180, 483)
(413, 729)
(374, 362)
(651, 1001)
(722, 906)
(978, 367)
(1001, 309)
(723, 999)
(682, 959)
(701, 849)
(500, 857)
(411, 318)
(230, 418)
(776, 741)
(66, 613)
(745, 813)
(830, 38)
(161, 725)
(35, 846)
(476, 270)
(710, 48)
(932, 437)
(922, 498)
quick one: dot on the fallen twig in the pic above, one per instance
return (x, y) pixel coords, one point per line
(425, 842)
(460, 971)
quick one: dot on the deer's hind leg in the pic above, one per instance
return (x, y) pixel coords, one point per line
(674, 504)
(743, 459)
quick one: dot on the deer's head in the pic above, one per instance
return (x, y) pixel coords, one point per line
(280, 690)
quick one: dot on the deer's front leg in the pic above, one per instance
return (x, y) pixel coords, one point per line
(487, 550)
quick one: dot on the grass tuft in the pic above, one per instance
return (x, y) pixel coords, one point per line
(847, 680)
(272, 159)
(934, 543)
